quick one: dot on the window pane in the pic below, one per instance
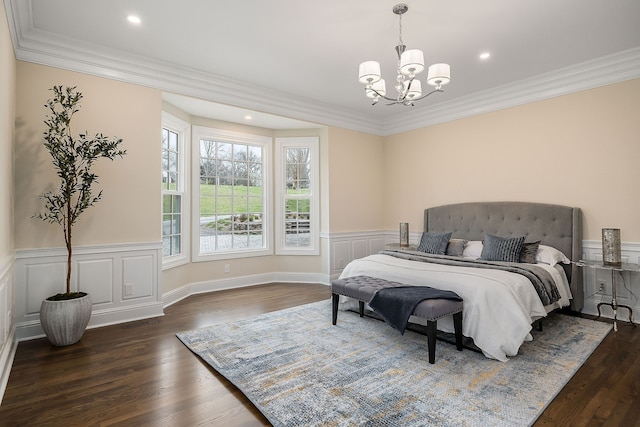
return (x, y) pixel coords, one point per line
(224, 151)
(175, 225)
(173, 141)
(171, 224)
(231, 195)
(166, 246)
(297, 223)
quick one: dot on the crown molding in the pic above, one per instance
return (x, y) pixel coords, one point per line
(599, 72)
(35, 46)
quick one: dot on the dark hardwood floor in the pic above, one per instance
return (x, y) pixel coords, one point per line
(139, 373)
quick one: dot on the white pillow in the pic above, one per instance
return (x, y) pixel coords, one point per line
(550, 255)
(473, 249)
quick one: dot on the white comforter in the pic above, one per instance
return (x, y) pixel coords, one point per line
(499, 306)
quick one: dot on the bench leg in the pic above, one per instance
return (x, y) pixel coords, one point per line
(457, 327)
(361, 308)
(431, 340)
(334, 307)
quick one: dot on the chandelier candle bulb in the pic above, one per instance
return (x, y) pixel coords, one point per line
(377, 89)
(415, 90)
(412, 62)
(369, 72)
(439, 74)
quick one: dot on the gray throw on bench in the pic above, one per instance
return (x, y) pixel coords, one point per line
(396, 304)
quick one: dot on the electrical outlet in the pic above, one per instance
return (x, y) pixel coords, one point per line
(604, 287)
(227, 268)
(128, 290)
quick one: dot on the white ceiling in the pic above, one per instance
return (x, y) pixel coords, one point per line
(299, 59)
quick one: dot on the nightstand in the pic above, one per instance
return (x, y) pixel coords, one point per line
(625, 266)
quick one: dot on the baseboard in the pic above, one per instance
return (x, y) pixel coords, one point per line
(6, 361)
(187, 290)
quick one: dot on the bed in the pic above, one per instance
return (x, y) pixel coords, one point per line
(499, 305)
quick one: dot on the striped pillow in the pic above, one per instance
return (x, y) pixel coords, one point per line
(502, 248)
(434, 243)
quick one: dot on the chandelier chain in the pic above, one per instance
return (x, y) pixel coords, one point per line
(400, 32)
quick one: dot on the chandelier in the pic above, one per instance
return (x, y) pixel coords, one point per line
(410, 63)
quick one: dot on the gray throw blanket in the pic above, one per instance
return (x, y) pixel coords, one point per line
(540, 279)
(396, 305)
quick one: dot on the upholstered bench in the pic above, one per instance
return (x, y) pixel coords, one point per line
(363, 288)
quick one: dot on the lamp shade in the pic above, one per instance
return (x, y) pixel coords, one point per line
(415, 91)
(611, 246)
(404, 234)
(439, 74)
(369, 72)
(379, 87)
(412, 62)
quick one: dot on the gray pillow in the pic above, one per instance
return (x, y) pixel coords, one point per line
(455, 247)
(434, 243)
(502, 248)
(529, 251)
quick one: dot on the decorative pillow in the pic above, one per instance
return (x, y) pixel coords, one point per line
(472, 249)
(502, 248)
(434, 243)
(529, 251)
(456, 247)
(550, 255)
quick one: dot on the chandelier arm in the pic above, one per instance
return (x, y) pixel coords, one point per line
(424, 96)
(384, 96)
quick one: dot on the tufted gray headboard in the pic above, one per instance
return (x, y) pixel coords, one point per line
(554, 225)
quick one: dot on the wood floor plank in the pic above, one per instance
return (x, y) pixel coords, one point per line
(139, 373)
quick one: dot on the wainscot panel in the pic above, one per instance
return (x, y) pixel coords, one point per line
(123, 281)
(8, 343)
(345, 247)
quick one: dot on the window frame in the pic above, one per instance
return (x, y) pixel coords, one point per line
(202, 132)
(282, 144)
(183, 129)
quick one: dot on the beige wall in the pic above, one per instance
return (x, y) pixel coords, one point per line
(356, 181)
(7, 115)
(130, 209)
(579, 150)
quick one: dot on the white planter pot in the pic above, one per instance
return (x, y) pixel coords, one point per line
(64, 322)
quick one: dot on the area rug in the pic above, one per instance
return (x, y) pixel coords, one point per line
(299, 370)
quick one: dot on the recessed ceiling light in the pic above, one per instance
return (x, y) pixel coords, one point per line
(248, 117)
(485, 55)
(133, 19)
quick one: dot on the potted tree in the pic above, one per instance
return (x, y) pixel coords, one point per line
(64, 316)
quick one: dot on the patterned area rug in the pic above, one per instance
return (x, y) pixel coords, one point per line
(299, 370)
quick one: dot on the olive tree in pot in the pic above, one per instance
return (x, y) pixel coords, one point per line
(65, 316)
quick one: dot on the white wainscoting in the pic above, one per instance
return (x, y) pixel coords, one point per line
(8, 343)
(628, 283)
(345, 247)
(123, 281)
